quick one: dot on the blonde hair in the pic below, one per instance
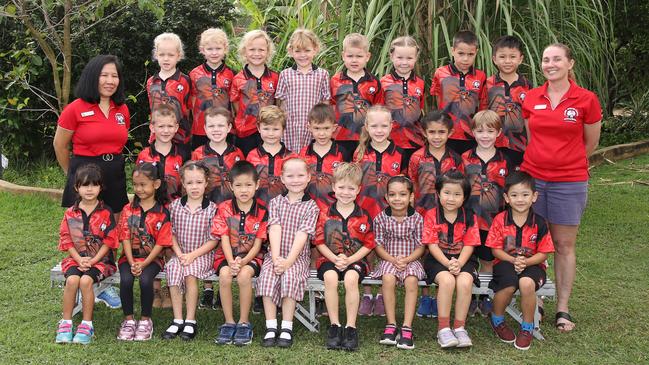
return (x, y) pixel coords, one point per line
(486, 118)
(163, 110)
(215, 111)
(215, 35)
(272, 114)
(171, 37)
(569, 56)
(303, 38)
(297, 159)
(405, 41)
(349, 171)
(365, 140)
(356, 40)
(251, 36)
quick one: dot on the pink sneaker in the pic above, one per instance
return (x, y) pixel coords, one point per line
(127, 330)
(144, 330)
(365, 308)
(379, 307)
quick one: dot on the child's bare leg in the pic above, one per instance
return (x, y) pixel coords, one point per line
(464, 282)
(445, 288)
(244, 279)
(352, 297)
(270, 309)
(410, 300)
(388, 285)
(225, 290)
(87, 297)
(70, 295)
(288, 309)
(191, 296)
(502, 298)
(331, 295)
(176, 301)
(528, 298)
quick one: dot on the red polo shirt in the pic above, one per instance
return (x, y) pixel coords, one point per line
(424, 169)
(210, 88)
(506, 100)
(351, 100)
(95, 134)
(269, 168)
(219, 165)
(451, 237)
(556, 150)
(322, 169)
(145, 229)
(168, 165)
(251, 94)
(405, 99)
(175, 91)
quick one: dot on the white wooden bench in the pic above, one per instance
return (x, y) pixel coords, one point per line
(306, 311)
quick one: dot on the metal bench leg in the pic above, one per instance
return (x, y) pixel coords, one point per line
(537, 324)
(308, 317)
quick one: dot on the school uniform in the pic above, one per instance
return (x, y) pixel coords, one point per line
(527, 240)
(168, 166)
(322, 169)
(219, 164)
(424, 169)
(269, 168)
(344, 236)
(174, 91)
(300, 216)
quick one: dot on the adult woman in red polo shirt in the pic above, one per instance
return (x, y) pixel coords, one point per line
(563, 123)
(97, 124)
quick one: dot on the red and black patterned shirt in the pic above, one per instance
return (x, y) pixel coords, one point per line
(322, 169)
(424, 169)
(451, 237)
(219, 165)
(250, 95)
(168, 166)
(507, 101)
(145, 229)
(269, 168)
(405, 99)
(351, 100)
(210, 88)
(175, 91)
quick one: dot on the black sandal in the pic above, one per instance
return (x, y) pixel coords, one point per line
(282, 342)
(561, 326)
(271, 341)
(189, 336)
(167, 335)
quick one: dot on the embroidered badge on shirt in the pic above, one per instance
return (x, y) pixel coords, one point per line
(119, 117)
(570, 115)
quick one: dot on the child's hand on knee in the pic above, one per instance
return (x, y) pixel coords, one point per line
(520, 264)
(280, 266)
(401, 263)
(454, 266)
(342, 261)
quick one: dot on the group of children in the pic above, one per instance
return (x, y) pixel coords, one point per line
(295, 170)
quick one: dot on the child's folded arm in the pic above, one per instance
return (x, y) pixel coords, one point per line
(256, 246)
(416, 254)
(536, 259)
(438, 255)
(358, 255)
(103, 250)
(299, 241)
(465, 255)
(227, 248)
(501, 255)
(274, 240)
(326, 252)
(383, 254)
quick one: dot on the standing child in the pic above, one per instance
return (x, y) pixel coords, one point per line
(403, 94)
(459, 89)
(520, 240)
(506, 91)
(252, 88)
(353, 90)
(170, 85)
(398, 243)
(451, 232)
(284, 273)
(88, 235)
(241, 225)
(193, 245)
(301, 87)
(486, 168)
(380, 159)
(211, 81)
(344, 237)
(145, 230)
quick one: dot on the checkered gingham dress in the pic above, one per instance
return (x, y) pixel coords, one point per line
(192, 230)
(292, 217)
(300, 92)
(399, 239)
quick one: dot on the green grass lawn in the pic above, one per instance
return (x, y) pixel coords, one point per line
(609, 302)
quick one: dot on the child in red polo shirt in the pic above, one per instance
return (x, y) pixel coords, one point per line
(344, 237)
(353, 90)
(451, 232)
(252, 88)
(271, 154)
(170, 85)
(145, 230)
(211, 81)
(88, 235)
(520, 240)
(241, 225)
(458, 89)
(403, 94)
(506, 91)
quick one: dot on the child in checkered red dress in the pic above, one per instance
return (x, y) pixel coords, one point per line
(291, 223)
(398, 231)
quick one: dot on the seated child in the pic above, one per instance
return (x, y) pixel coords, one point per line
(88, 235)
(344, 237)
(284, 273)
(520, 240)
(241, 225)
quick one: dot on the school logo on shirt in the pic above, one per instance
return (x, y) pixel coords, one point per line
(335, 164)
(418, 92)
(395, 166)
(270, 86)
(177, 167)
(362, 228)
(255, 228)
(119, 118)
(236, 158)
(372, 90)
(102, 227)
(476, 84)
(158, 226)
(570, 115)
(522, 96)
(226, 82)
(533, 238)
(502, 172)
(180, 88)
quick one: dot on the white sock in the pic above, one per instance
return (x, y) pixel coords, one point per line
(66, 321)
(210, 289)
(189, 329)
(87, 323)
(368, 295)
(175, 326)
(270, 324)
(379, 296)
(289, 326)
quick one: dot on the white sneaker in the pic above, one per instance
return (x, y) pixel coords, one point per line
(446, 338)
(462, 337)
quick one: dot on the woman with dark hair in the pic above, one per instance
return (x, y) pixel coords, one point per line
(96, 124)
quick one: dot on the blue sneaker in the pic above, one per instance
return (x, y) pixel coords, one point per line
(433, 307)
(485, 306)
(110, 297)
(84, 334)
(64, 333)
(425, 306)
(243, 335)
(226, 334)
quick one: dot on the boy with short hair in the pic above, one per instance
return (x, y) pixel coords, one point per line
(506, 91)
(241, 225)
(485, 167)
(353, 90)
(300, 87)
(458, 89)
(344, 237)
(520, 241)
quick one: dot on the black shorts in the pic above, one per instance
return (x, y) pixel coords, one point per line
(349, 146)
(460, 146)
(93, 272)
(359, 268)
(483, 252)
(515, 157)
(113, 192)
(434, 267)
(255, 267)
(247, 144)
(505, 276)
